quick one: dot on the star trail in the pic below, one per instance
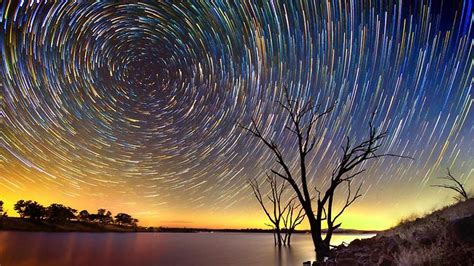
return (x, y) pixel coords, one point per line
(135, 106)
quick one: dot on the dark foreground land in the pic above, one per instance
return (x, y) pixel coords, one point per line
(444, 237)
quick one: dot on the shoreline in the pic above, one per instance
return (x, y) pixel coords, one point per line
(14, 224)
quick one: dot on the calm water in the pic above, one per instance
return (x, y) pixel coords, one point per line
(21, 248)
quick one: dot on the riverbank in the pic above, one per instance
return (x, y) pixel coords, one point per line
(444, 237)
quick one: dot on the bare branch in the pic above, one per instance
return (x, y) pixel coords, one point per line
(303, 117)
(276, 209)
(458, 186)
(350, 199)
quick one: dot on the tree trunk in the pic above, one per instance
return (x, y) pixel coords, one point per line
(322, 251)
(278, 234)
(320, 247)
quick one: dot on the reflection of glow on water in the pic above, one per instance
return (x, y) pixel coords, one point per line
(23, 248)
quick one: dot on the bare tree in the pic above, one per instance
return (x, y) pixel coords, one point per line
(276, 211)
(457, 186)
(294, 216)
(303, 118)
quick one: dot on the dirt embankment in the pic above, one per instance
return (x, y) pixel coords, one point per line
(444, 237)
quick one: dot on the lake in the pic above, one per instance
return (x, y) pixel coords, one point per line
(25, 248)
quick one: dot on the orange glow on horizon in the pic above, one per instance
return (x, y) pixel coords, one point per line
(361, 216)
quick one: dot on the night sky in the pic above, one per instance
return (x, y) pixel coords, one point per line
(135, 107)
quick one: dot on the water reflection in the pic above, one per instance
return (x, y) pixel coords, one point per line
(23, 248)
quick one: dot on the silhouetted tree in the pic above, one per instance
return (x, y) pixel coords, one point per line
(99, 216)
(457, 186)
(30, 209)
(20, 207)
(123, 219)
(303, 117)
(84, 216)
(276, 210)
(93, 218)
(3, 214)
(103, 216)
(294, 216)
(60, 213)
(108, 219)
(101, 212)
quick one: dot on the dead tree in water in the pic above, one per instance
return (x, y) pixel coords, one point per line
(294, 216)
(458, 186)
(303, 118)
(276, 212)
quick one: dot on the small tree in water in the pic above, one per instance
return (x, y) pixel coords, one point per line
(275, 212)
(279, 211)
(294, 216)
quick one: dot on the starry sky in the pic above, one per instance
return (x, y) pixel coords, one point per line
(135, 107)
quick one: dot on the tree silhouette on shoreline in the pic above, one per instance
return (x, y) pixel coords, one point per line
(59, 213)
(125, 219)
(30, 209)
(3, 214)
(84, 216)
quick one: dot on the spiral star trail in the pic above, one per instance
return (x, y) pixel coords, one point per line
(135, 106)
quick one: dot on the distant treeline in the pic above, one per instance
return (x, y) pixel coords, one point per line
(57, 213)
